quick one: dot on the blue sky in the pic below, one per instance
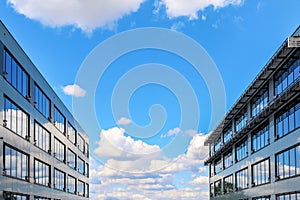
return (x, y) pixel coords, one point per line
(144, 146)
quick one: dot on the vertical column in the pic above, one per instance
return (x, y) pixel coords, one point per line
(1, 58)
(271, 89)
(233, 146)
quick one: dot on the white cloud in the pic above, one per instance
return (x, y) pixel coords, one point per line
(171, 132)
(177, 26)
(190, 9)
(74, 90)
(134, 169)
(124, 121)
(86, 15)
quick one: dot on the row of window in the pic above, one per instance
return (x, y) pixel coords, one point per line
(285, 122)
(17, 121)
(284, 196)
(259, 139)
(19, 79)
(16, 165)
(287, 164)
(283, 79)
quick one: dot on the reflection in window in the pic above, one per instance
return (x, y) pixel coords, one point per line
(218, 145)
(59, 180)
(241, 122)
(80, 166)
(286, 77)
(241, 150)
(262, 198)
(260, 139)
(241, 179)
(228, 136)
(228, 159)
(42, 102)
(218, 166)
(15, 74)
(41, 198)
(87, 190)
(10, 195)
(15, 163)
(80, 143)
(59, 150)
(15, 119)
(260, 102)
(59, 120)
(288, 163)
(288, 121)
(218, 187)
(41, 173)
(87, 169)
(228, 184)
(71, 133)
(71, 184)
(261, 173)
(288, 196)
(41, 137)
(80, 188)
(71, 159)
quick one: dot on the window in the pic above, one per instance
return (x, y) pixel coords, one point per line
(286, 77)
(260, 102)
(41, 101)
(59, 180)
(288, 196)
(228, 136)
(59, 120)
(71, 159)
(228, 159)
(80, 188)
(59, 150)
(16, 119)
(10, 195)
(71, 133)
(288, 163)
(87, 169)
(211, 189)
(16, 163)
(228, 184)
(87, 190)
(212, 150)
(87, 149)
(71, 185)
(80, 166)
(261, 172)
(241, 179)
(262, 198)
(260, 139)
(15, 74)
(218, 166)
(288, 121)
(241, 150)
(218, 187)
(41, 173)
(41, 137)
(80, 143)
(218, 145)
(241, 122)
(41, 198)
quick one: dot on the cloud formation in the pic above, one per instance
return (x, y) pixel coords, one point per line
(190, 9)
(124, 121)
(134, 169)
(74, 90)
(86, 15)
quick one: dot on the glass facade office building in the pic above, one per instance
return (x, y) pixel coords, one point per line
(44, 153)
(255, 150)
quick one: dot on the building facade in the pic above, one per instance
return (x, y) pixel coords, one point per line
(44, 153)
(255, 150)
